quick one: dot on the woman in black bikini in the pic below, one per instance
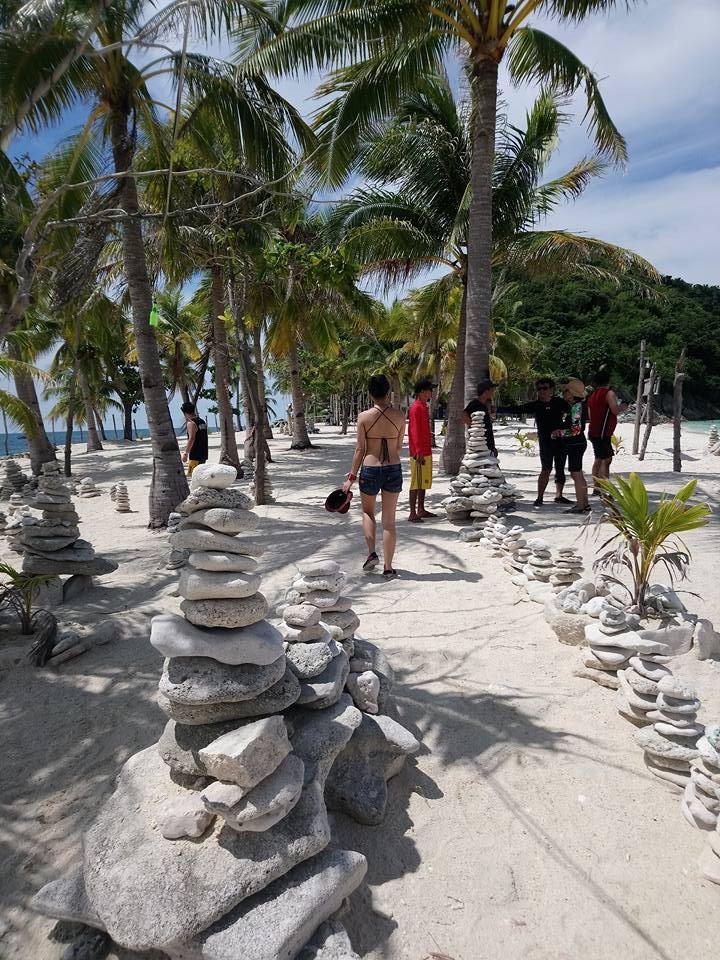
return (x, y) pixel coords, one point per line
(380, 435)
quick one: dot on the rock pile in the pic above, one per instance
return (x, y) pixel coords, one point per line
(88, 489)
(612, 641)
(214, 842)
(701, 801)
(14, 529)
(122, 500)
(14, 480)
(670, 745)
(713, 441)
(540, 562)
(480, 489)
(567, 569)
(53, 545)
(319, 584)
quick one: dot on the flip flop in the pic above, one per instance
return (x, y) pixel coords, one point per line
(371, 562)
(389, 574)
(415, 519)
(577, 509)
(538, 502)
(562, 500)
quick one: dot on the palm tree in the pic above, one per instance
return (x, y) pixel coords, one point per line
(11, 405)
(179, 334)
(415, 213)
(385, 50)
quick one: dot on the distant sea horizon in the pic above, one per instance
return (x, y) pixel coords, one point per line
(16, 443)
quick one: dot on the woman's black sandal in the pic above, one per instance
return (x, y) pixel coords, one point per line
(371, 562)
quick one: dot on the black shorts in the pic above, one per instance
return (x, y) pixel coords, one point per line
(603, 448)
(374, 479)
(575, 453)
(553, 454)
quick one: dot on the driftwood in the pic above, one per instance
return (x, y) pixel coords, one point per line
(677, 410)
(649, 409)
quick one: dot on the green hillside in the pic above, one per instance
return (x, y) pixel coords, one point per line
(583, 324)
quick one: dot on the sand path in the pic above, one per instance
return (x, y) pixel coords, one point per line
(529, 826)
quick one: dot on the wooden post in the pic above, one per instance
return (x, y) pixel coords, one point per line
(114, 426)
(677, 410)
(638, 402)
(650, 411)
(137, 435)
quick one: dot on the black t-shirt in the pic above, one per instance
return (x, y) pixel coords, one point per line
(474, 407)
(549, 415)
(199, 449)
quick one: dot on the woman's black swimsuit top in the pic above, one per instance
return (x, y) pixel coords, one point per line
(384, 451)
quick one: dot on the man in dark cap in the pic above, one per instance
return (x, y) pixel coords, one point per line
(485, 391)
(420, 443)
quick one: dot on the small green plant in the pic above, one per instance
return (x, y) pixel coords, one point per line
(618, 444)
(17, 594)
(644, 536)
(526, 441)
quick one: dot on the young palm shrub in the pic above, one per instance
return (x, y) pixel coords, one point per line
(646, 537)
(17, 593)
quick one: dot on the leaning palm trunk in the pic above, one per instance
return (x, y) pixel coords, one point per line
(436, 396)
(454, 448)
(70, 422)
(300, 438)
(41, 450)
(93, 439)
(228, 446)
(169, 484)
(479, 258)
(260, 462)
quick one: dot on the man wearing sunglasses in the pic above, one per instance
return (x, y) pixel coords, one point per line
(549, 412)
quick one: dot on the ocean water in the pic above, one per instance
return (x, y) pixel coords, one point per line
(15, 443)
(700, 426)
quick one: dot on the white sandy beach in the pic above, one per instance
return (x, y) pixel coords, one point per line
(528, 827)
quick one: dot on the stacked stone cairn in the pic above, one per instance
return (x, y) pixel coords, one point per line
(215, 842)
(20, 519)
(705, 788)
(88, 489)
(540, 563)
(52, 544)
(568, 568)
(320, 636)
(122, 500)
(701, 800)
(480, 489)
(670, 745)
(178, 558)
(713, 441)
(611, 642)
(14, 480)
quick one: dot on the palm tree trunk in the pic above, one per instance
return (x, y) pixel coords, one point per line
(93, 439)
(127, 416)
(228, 446)
(169, 485)
(300, 438)
(479, 259)
(202, 371)
(436, 398)
(260, 464)
(70, 420)
(100, 425)
(454, 449)
(39, 445)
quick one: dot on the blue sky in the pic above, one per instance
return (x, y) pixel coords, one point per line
(661, 83)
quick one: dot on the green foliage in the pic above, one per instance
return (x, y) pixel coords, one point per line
(645, 536)
(16, 594)
(618, 444)
(584, 323)
(526, 441)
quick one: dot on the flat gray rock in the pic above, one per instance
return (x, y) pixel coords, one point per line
(307, 660)
(96, 567)
(317, 631)
(345, 619)
(357, 783)
(151, 893)
(265, 804)
(650, 669)
(249, 754)
(180, 744)
(214, 476)
(205, 498)
(629, 640)
(81, 550)
(370, 653)
(277, 698)
(662, 747)
(301, 615)
(212, 560)
(66, 899)
(326, 688)
(260, 643)
(199, 539)
(209, 584)
(201, 680)
(46, 544)
(675, 636)
(277, 923)
(222, 519)
(318, 736)
(639, 683)
(185, 816)
(677, 688)
(569, 628)
(332, 583)
(226, 613)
